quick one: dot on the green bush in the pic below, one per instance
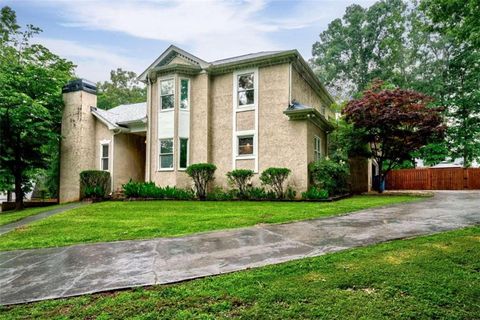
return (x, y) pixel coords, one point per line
(315, 194)
(202, 174)
(290, 193)
(149, 190)
(94, 184)
(240, 178)
(330, 176)
(218, 194)
(275, 178)
(257, 193)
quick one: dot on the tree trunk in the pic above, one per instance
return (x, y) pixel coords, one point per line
(18, 192)
(9, 196)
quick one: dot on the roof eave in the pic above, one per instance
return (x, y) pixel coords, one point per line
(311, 114)
(105, 121)
(271, 59)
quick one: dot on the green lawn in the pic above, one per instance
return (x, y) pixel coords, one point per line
(12, 216)
(434, 277)
(110, 221)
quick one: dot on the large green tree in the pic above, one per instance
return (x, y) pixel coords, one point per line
(431, 48)
(458, 20)
(31, 78)
(387, 40)
(122, 88)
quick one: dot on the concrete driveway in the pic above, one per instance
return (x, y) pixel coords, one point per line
(30, 275)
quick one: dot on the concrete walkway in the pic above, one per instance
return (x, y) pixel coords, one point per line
(11, 226)
(31, 275)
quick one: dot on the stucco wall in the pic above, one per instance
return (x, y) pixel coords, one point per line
(77, 146)
(303, 92)
(102, 134)
(221, 126)
(282, 143)
(245, 120)
(313, 131)
(128, 159)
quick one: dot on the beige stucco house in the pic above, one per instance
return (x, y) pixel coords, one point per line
(260, 110)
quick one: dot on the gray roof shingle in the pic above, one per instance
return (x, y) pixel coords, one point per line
(124, 113)
(245, 57)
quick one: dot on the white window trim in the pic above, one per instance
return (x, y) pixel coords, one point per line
(180, 95)
(159, 163)
(107, 143)
(317, 152)
(237, 109)
(236, 75)
(188, 153)
(160, 94)
(241, 134)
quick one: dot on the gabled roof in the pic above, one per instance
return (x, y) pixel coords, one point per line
(168, 55)
(164, 64)
(122, 115)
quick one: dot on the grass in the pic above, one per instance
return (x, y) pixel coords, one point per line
(433, 277)
(111, 221)
(12, 216)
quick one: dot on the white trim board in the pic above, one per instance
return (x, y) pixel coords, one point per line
(236, 109)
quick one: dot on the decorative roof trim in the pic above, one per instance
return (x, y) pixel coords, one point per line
(165, 54)
(174, 68)
(311, 114)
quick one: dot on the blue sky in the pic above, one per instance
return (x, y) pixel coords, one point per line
(102, 35)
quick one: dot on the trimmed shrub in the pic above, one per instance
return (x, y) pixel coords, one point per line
(275, 178)
(290, 193)
(315, 194)
(330, 176)
(149, 190)
(218, 194)
(240, 178)
(202, 174)
(256, 193)
(94, 184)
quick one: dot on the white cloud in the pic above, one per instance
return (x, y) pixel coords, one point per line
(214, 29)
(93, 62)
(209, 29)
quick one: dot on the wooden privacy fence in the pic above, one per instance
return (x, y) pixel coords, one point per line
(434, 179)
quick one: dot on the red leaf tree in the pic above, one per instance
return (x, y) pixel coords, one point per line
(394, 123)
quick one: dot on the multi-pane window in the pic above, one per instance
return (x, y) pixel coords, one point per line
(245, 145)
(246, 90)
(167, 96)
(184, 94)
(104, 156)
(166, 153)
(317, 148)
(183, 159)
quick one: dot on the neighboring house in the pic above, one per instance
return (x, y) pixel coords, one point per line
(260, 110)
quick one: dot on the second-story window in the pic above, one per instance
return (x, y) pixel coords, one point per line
(184, 94)
(246, 90)
(167, 94)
